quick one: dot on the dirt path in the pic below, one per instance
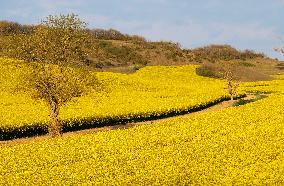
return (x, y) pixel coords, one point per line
(213, 108)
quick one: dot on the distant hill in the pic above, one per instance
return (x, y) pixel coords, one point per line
(111, 50)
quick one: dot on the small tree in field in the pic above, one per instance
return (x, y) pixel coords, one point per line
(227, 72)
(56, 43)
(56, 85)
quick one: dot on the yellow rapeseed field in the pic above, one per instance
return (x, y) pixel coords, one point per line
(241, 145)
(151, 91)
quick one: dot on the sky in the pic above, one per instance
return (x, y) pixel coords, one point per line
(245, 24)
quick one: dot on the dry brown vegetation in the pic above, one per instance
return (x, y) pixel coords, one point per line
(253, 70)
(111, 50)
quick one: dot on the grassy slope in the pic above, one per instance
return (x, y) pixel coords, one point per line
(127, 56)
(240, 145)
(258, 69)
(122, 56)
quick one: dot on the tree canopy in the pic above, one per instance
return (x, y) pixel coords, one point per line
(56, 44)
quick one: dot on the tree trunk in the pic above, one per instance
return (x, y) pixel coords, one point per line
(55, 128)
(230, 88)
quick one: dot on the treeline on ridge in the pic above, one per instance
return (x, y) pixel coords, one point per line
(213, 53)
(10, 27)
(111, 48)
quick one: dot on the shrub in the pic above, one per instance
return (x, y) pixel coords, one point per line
(9, 28)
(213, 53)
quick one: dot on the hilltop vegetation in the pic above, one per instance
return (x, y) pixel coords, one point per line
(111, 50)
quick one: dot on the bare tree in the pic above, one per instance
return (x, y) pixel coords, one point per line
(56, 43)
(227, 72)
(57, 85)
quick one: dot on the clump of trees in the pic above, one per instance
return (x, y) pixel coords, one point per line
(57, 42)
(213, 53)
(9, 28)
(123, 55)
(112, 34)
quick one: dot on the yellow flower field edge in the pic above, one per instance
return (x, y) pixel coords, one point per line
(266, 87)
(85, 123)
(75, 124)
(150, 93)
(235, 146)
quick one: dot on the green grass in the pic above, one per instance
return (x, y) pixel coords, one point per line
(243, 101)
